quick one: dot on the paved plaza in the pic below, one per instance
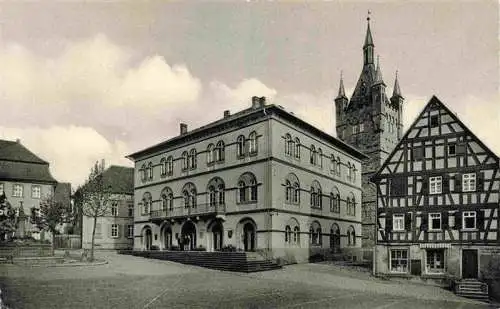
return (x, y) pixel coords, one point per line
(134, 282)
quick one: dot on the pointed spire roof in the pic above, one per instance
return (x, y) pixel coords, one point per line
(341, 87)
(368, 38)
(378, 74)
(397, 90)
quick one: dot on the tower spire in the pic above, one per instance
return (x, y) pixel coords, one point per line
(397, 90)
(378, 73)
(341, 87)
(368, 46)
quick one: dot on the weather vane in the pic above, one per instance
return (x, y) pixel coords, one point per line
(368, 18)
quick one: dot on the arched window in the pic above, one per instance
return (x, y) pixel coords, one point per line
(296, 192)
(192, 158)
(163, 166)
(240, 146)
(297, 148)
(143, 172)
(170, 165)
(185, 194)
(288, 234)
(184, 160)
(147, 201)
(296, 235)
(170, 201)
(150, 169)
(338, 166)
(193, 198)
(335, 200)
(353, 173)
(288, 191)
(351, 236)
(288, 144)
(211, 194)
(316, 195)
(351, 205)
(320, 157)
(332, 164)
(349, 171)
(210, 153)
(166, 199)
(219, 151)
(335, 238)
(221, 194)
(242, 191)
(252, 146)
(247, 188)
(313, 154)
(315, 233)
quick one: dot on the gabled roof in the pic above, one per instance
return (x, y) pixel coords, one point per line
(15, 151)
(433, 101)
(262, 112)
(120, 178)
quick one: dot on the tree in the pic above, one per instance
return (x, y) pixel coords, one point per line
(95, 197)
(50, 215)
(7, 218)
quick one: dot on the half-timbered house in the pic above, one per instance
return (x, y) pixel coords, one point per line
(437, 200)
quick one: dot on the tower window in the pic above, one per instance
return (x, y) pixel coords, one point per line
(434, 121)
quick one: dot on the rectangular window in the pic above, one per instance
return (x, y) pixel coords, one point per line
(398, 222)
(1, 188)
(98, 230)
(435, 221)
(418, 153)
(36, 191)
(130, 231)
(361, 127)
(435, 261)
(398, 186)
(399, 261)
(130, 209)
(17, 190)
(452, 149)
(435, 185)
(114, 209)
(434, 121)
(354, 129)
(469, 220)
(114, 230)
(469, 182)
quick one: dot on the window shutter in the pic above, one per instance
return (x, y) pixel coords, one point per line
(425, 185)
(480, 220)
(446, 183)
(423, 222)
(408, 221)
(458, 182)
(445, 220)
(458, 220)
(480, 182)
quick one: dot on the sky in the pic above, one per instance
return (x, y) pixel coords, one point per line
(81, 82)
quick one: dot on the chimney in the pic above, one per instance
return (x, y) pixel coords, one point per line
(226, 113)
(18, 141)
(184, 128)
(262, 101)
(255, 102)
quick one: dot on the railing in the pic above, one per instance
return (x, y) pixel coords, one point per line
(199, 209)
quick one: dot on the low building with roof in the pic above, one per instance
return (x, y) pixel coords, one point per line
(115, 229)
(25, 179)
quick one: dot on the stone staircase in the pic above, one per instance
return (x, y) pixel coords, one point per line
(471, 288)
(229, 261)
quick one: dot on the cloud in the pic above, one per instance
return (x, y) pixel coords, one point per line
(71, 151)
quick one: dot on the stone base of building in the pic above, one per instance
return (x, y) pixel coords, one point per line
(436, 262)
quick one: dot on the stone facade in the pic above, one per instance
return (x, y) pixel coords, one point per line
(372, 123)
(264, 188)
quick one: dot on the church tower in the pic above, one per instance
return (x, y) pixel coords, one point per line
(371, 122)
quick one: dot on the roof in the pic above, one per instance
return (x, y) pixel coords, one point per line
(15, 151)
(262, 112)
(26, 172)
(62, 193)
(433, 100)
(120, 178)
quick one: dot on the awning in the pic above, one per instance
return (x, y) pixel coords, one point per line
(435, 246)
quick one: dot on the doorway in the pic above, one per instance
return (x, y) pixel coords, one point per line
(249, 236)
(469, 264)
(188, 236)
(148, 239)
(217, 236)
(167, 238)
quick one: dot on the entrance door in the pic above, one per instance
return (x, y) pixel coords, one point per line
(217, 236)
(249, 237)
(469, 264)
(148, 240)
(188, 236)
(167, 238)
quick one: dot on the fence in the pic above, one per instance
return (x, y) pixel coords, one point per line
(67, 242)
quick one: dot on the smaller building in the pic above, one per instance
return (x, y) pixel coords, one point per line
(438, 198)
(25, 179)
(116, 229)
